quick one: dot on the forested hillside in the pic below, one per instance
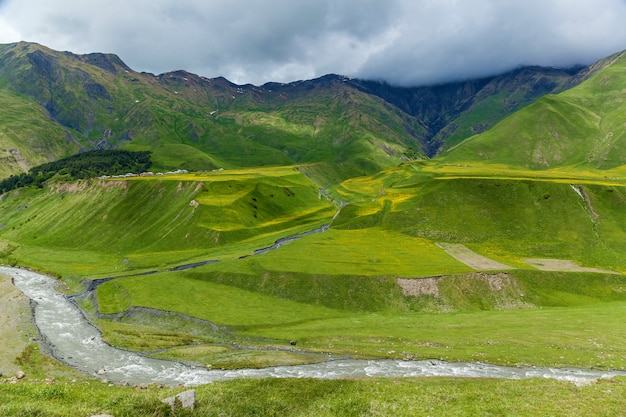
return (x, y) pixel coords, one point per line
(89, 164)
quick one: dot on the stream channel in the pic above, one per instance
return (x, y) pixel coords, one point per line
(73, 340)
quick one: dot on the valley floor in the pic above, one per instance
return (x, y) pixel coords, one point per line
(461, 263)
(350, 397)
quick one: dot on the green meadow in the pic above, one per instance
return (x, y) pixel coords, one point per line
(338, 291)
(576, 318)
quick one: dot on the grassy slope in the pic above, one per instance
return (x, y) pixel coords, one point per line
(506, 214)
(370, 317)
(27, 138)
(503, 96)
(337, 291)
(118, 226)
(342, 282)
(583, 125)
(321, 126)
(352, 269)
(251, 127)
(72, 393)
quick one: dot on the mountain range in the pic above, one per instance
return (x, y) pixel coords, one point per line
(59, 103)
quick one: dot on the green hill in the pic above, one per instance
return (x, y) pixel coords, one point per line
(161, 221)
(503, 213)
(582, 126)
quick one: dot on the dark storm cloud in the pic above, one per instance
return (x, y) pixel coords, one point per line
(451, 40)
(400, 41)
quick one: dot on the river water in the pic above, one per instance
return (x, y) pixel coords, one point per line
(73, 340)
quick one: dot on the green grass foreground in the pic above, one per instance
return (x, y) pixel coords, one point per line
(307, 397)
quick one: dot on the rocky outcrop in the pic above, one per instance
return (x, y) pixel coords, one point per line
(497, 291)
(185, 400)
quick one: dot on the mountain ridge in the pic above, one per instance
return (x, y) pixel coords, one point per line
(581, 126)
(444, 105)
(95, 101)
(210, 123)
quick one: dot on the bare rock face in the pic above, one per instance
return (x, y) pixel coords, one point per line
(185, 400)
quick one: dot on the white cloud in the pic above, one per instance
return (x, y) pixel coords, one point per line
(401, 41)
(7, 32)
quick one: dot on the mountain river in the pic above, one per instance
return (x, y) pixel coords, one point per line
(73, 340)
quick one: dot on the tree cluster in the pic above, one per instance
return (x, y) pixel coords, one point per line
(89, 164)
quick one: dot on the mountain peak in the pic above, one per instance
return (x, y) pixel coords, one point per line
(108, 62)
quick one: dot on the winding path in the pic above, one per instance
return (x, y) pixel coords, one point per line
(73, 340)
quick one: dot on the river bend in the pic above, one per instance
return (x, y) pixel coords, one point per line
(73, 340)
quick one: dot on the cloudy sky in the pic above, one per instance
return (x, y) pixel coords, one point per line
(404, 42)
